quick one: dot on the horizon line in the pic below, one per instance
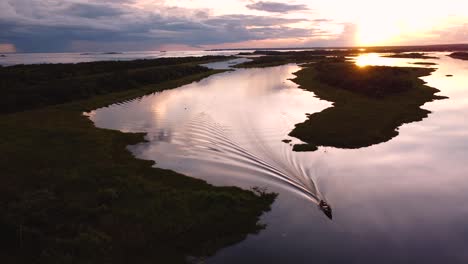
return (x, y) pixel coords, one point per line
(457, 46)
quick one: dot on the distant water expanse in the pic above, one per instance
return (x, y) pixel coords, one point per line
(38, 58)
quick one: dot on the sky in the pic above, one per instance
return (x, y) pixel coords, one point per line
(137, 25)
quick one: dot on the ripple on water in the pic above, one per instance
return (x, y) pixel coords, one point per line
(231, 124)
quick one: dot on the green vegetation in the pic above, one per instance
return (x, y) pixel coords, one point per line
(369, 103)
(72, 193)
(459, 55)
(412, 55)
(31, 86)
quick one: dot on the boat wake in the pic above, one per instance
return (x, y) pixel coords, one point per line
(204, 138)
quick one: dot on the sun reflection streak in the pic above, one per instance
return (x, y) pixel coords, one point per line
(367, 59)
(379, 59)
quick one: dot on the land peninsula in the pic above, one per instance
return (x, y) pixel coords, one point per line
(72, 193)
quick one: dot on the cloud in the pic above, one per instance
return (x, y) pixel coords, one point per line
(92, 10)
(7, 48)
(346, 38)
(277, 7)
(454, 34)
(54, 25)
(321, 20)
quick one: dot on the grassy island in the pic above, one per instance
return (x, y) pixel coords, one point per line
(72, 193)
(369, 103)
(424, 63)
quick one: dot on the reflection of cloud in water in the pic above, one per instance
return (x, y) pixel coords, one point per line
(227, 129)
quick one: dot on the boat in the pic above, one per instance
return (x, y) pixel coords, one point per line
(326, 209)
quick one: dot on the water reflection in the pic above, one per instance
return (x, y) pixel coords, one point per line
(226, 65)
(402, 201)
(37, 58)
(225, 127)
(375, 59)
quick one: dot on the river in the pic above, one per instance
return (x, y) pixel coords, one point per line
(402, 201)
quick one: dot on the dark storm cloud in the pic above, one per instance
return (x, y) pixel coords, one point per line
(276, 7)
(53, 25)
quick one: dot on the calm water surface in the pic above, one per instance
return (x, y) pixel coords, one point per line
(403, 201)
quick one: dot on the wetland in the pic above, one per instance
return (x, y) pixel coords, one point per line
(143, 155)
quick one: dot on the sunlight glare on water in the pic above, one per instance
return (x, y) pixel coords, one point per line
(375, 59)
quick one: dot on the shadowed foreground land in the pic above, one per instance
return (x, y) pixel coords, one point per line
(72, 193)
(369, 103)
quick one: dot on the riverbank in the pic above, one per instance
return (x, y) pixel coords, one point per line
(72, 193)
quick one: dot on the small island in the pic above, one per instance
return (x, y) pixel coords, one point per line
(369, 103)
(459, 55)
(111, 53)
(424, 63)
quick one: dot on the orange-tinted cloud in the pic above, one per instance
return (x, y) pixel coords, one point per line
(7, 48)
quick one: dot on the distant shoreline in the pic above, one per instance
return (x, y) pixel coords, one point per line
(436, 47)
